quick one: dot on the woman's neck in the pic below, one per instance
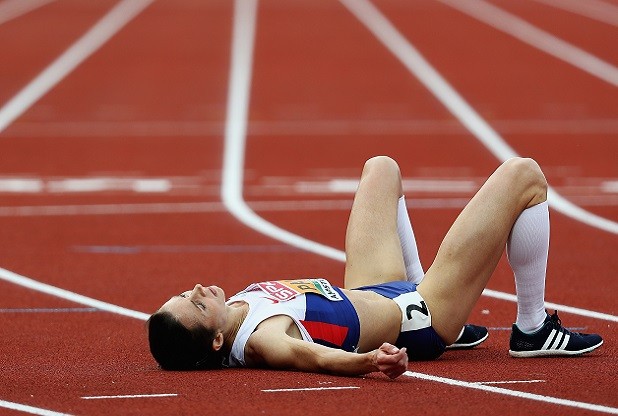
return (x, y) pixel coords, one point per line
(237, 316)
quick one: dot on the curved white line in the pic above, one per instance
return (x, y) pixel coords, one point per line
(412, 59)
(245, 12)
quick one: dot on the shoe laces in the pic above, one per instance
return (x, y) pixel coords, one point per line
(555, 320)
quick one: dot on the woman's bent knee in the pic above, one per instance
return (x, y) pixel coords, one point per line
(382, 164)
(384, 171)
(526, 174)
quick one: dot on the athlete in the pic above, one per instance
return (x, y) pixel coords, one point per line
(389, 310)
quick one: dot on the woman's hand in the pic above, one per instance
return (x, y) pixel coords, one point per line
(390, 360)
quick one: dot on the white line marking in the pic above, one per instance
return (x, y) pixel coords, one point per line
(537, 38)
(514, 393)
(609, 186)
(131, 396)
(594, 9)
(411, 58)
(21, 185)
(12, 9)
(509, 381)
(30, 409)
(89, 43)
(310, 389)
(68, 295)
(245, 13)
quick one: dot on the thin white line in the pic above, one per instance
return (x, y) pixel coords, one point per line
(310, 389)
(537, 38)
(130, 396)
(12, 9)
(30, 409)
(68, 295)
(411, 58)
(514, 393)
(594, 9)
(89, 43)
(509, 382)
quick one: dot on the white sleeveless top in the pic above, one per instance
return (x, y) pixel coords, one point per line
(262, 307)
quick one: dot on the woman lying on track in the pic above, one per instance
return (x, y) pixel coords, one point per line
(389, 311)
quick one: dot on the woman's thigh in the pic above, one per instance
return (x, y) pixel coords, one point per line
(373, 249)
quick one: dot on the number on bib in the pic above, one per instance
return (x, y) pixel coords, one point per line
(414, 312)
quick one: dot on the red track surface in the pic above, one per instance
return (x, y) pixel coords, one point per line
(326, 95)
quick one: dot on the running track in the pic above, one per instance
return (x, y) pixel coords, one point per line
(148, 145)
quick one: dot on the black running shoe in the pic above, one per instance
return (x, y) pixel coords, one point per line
(470, 337)
(552, 339)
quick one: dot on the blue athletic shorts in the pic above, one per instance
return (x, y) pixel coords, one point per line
(417, 335)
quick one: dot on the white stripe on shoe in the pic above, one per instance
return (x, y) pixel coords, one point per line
(565, 342)
(550, 339)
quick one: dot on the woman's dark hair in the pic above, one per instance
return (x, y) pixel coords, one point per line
(176, 347)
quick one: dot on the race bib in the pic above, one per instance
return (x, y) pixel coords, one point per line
(283, 290)
(414, 312)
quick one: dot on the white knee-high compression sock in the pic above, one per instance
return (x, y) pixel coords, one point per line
(527, 249)
(414, 269)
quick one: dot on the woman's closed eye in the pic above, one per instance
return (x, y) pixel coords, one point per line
(200, 305)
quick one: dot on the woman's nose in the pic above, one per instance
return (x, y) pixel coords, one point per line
(198, 290)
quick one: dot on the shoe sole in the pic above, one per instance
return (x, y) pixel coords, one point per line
(467, 346)
(549, 353)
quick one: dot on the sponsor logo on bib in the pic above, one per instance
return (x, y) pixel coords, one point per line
(283, 290)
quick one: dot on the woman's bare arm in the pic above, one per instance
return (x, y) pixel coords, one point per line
(280, 351)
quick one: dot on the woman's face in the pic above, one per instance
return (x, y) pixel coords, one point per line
(203, 306)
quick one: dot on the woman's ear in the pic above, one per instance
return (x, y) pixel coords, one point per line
(217, 342)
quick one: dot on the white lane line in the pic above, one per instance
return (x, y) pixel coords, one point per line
(89, 43)
(594, 9)
(509, 381)
(12, 9)
(68, 295)
(30, 409)
(310, 389)
(537, 38)
(131, 396)
(514, 393)
(411, 58)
